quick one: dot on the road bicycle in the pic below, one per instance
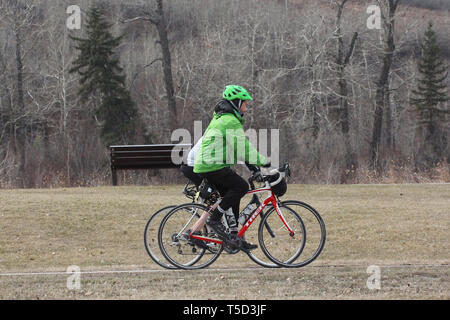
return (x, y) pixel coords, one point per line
(152, 226)
(208, 197)
(281, 233)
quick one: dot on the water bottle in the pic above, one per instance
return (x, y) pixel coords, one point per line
(231, 220)
(245, 214)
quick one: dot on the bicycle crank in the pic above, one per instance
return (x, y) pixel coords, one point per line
(232, 245)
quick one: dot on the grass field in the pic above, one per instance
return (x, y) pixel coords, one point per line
(403, 229)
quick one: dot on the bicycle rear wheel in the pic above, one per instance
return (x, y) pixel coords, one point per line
(286, 241)
(151, 237)
(173, 238)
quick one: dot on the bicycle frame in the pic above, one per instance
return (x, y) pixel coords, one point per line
(271, 199)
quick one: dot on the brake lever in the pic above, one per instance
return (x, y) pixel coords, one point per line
(288, 169)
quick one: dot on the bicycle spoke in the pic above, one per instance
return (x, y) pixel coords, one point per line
(193, 214)
(284, 248)
(180, 250)
(315, 233)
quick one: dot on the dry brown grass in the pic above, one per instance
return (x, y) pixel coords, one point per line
(102, 229)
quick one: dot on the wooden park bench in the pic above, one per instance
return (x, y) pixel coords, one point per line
(153, 156)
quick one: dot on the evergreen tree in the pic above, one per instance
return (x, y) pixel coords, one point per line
(102, 80)
(430, 97)
(431, 89)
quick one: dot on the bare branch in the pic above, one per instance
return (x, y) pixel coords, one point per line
(142, 69)
(351, 49)
(137, 19)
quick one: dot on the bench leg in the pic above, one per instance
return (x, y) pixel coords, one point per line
(114, 177)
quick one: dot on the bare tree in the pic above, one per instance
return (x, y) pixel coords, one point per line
(388, 9)
(157, 18)
(342, 60)
(19, 17)
(60, 93)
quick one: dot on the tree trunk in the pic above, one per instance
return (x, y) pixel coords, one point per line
(161, 26)
(376, 133)
(344, 112)
(20, 123)
(350, 156)
(383, 84)
(388, 123)
(315, 118)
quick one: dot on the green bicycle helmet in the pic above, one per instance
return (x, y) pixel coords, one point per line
(233, 92)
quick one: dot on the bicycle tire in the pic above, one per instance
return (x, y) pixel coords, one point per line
(260, 262)
(253, 256)
(311, 224)
(147, 238)
(281, 239)
(179, 227)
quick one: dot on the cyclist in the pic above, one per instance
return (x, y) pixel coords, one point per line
(223, 145)
(188, 168)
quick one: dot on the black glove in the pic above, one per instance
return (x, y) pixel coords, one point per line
(251, 167)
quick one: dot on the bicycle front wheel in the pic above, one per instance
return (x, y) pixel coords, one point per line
(257, 255)
(285, 243)
(173, 238)
(315, 231)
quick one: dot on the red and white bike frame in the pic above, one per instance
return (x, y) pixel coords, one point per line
(271, 199)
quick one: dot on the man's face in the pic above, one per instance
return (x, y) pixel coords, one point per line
(243, 106)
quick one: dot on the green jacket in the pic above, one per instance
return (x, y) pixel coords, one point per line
(224, 142)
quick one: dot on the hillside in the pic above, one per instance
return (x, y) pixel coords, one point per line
(325, 110)
(435, 5)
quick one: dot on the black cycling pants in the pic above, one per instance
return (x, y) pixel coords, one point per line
(191, 175)
(231, 187)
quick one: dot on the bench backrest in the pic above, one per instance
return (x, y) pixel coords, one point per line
(154, 156)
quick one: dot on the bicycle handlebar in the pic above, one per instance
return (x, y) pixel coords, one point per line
(284, 171)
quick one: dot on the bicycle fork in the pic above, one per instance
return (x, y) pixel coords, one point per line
(283, 219)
